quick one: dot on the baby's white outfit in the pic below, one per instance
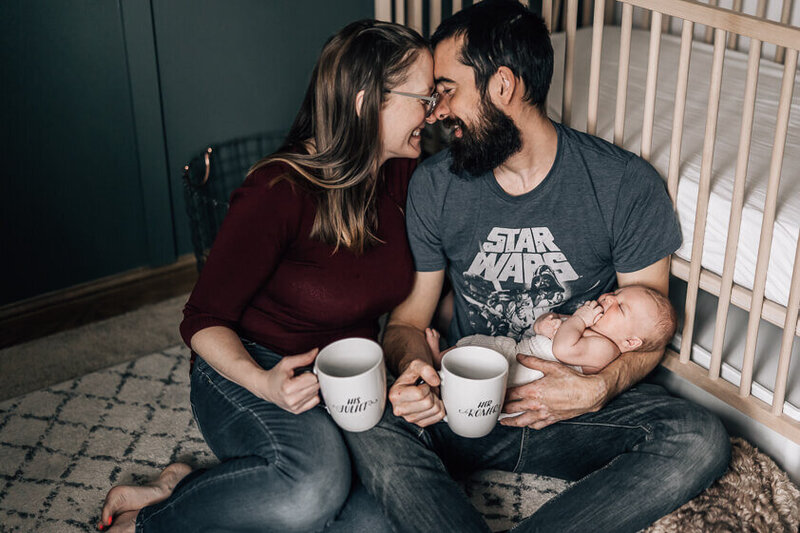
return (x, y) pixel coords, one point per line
(518, 374)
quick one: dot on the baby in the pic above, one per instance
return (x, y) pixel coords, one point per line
(633, 318)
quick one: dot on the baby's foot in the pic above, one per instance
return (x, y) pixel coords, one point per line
(432, 338)
(124, 498)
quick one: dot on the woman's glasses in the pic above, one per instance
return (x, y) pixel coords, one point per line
(431, 100)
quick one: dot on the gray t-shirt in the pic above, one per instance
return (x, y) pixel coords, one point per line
(600, 210)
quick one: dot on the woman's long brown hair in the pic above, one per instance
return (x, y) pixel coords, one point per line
(342, 167)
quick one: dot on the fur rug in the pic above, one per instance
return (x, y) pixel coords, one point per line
(754, 495)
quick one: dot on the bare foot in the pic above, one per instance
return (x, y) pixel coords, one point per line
(125, 523)
(125, 498)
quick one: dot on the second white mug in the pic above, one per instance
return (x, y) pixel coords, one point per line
(473, 389)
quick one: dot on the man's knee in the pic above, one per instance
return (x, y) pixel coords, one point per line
(300, 503)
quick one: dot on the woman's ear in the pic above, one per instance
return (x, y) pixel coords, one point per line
(359, 101)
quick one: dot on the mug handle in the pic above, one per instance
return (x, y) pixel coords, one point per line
(311, 368)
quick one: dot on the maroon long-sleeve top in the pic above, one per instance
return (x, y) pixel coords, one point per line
(266, 279)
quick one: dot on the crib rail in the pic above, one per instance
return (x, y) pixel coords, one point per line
(723, 29)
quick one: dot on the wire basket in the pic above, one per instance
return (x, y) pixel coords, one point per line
(211, 177)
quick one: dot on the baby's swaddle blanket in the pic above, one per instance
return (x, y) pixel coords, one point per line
(518, 374)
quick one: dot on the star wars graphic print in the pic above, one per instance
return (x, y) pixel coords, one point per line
(517, 275)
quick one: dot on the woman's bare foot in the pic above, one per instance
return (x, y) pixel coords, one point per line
(123, 499)
(125, 523)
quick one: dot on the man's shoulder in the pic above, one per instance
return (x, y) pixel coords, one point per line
(438, 164)
(596, 147)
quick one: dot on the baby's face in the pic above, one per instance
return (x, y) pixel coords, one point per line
(627, 312)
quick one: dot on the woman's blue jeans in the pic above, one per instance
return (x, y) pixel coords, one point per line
(637, 459)
(278, 471)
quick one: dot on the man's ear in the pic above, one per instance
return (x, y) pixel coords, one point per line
(632, 343)
(359, 101)
(504, 84)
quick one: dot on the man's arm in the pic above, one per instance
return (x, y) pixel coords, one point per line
(630, 368)
(408, 355)
(563, 393)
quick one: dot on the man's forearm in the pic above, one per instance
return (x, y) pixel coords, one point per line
(627, 370)
(403, 344)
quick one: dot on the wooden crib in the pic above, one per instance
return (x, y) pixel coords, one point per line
(593, 90)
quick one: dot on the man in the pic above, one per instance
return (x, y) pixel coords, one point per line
(528, 216)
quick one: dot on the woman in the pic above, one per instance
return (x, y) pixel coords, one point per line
(313, 250)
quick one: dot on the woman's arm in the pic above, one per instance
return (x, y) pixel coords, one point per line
(221, 348)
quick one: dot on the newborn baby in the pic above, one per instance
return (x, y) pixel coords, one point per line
(633, 318)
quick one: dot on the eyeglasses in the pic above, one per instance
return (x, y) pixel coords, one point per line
(431, 100)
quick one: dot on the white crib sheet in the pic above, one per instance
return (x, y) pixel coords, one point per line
(787, 225)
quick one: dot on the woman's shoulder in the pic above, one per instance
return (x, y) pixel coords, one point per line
(397, 174)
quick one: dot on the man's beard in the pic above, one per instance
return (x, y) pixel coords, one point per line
(487, 145)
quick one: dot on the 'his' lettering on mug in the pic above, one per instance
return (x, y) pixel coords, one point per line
(352, 380)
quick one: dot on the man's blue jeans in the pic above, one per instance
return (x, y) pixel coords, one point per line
(278, 471)
(637, 459)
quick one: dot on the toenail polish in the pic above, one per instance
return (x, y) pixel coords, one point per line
(109, 520)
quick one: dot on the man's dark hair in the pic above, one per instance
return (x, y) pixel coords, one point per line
(503, 33)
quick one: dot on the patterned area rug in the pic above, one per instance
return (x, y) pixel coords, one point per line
(63, 447)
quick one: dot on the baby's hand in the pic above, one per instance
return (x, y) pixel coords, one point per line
(590, 312)
(547, 325)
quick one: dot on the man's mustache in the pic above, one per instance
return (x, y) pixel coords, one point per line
(451, 122)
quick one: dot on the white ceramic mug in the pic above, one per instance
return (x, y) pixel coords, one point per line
(352, 380)
(473, 389)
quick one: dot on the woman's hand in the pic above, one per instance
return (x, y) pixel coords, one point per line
(295, 394)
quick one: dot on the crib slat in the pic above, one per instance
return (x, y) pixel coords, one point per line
(786, 13)
(594, 70)
(788, 337)
(383, 10)
(737, 201)
(733, 37)
(678, 113)
(456, 6)
(547, 14)
(400, 11)
(765, 241)
(650, 88)
(703, 193)
(434, 15)
(709, 29)
(415, 15)
(622, 75)
(569, 62)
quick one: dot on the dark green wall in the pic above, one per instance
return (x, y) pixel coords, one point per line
(102, 104)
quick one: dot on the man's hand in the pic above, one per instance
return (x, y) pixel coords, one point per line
(418, 404)
(590, 312)
(561, 394)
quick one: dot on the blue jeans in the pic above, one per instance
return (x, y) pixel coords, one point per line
(278, 471)
(637, 459)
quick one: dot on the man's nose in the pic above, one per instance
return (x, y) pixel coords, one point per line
(442, 111)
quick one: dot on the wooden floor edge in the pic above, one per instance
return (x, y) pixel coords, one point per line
(95, 300)
(729, 393)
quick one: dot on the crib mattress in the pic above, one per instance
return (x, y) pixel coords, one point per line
(787, 226)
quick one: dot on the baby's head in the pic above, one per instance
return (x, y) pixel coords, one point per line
(636, 318)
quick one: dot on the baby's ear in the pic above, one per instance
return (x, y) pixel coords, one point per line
(632, 343)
